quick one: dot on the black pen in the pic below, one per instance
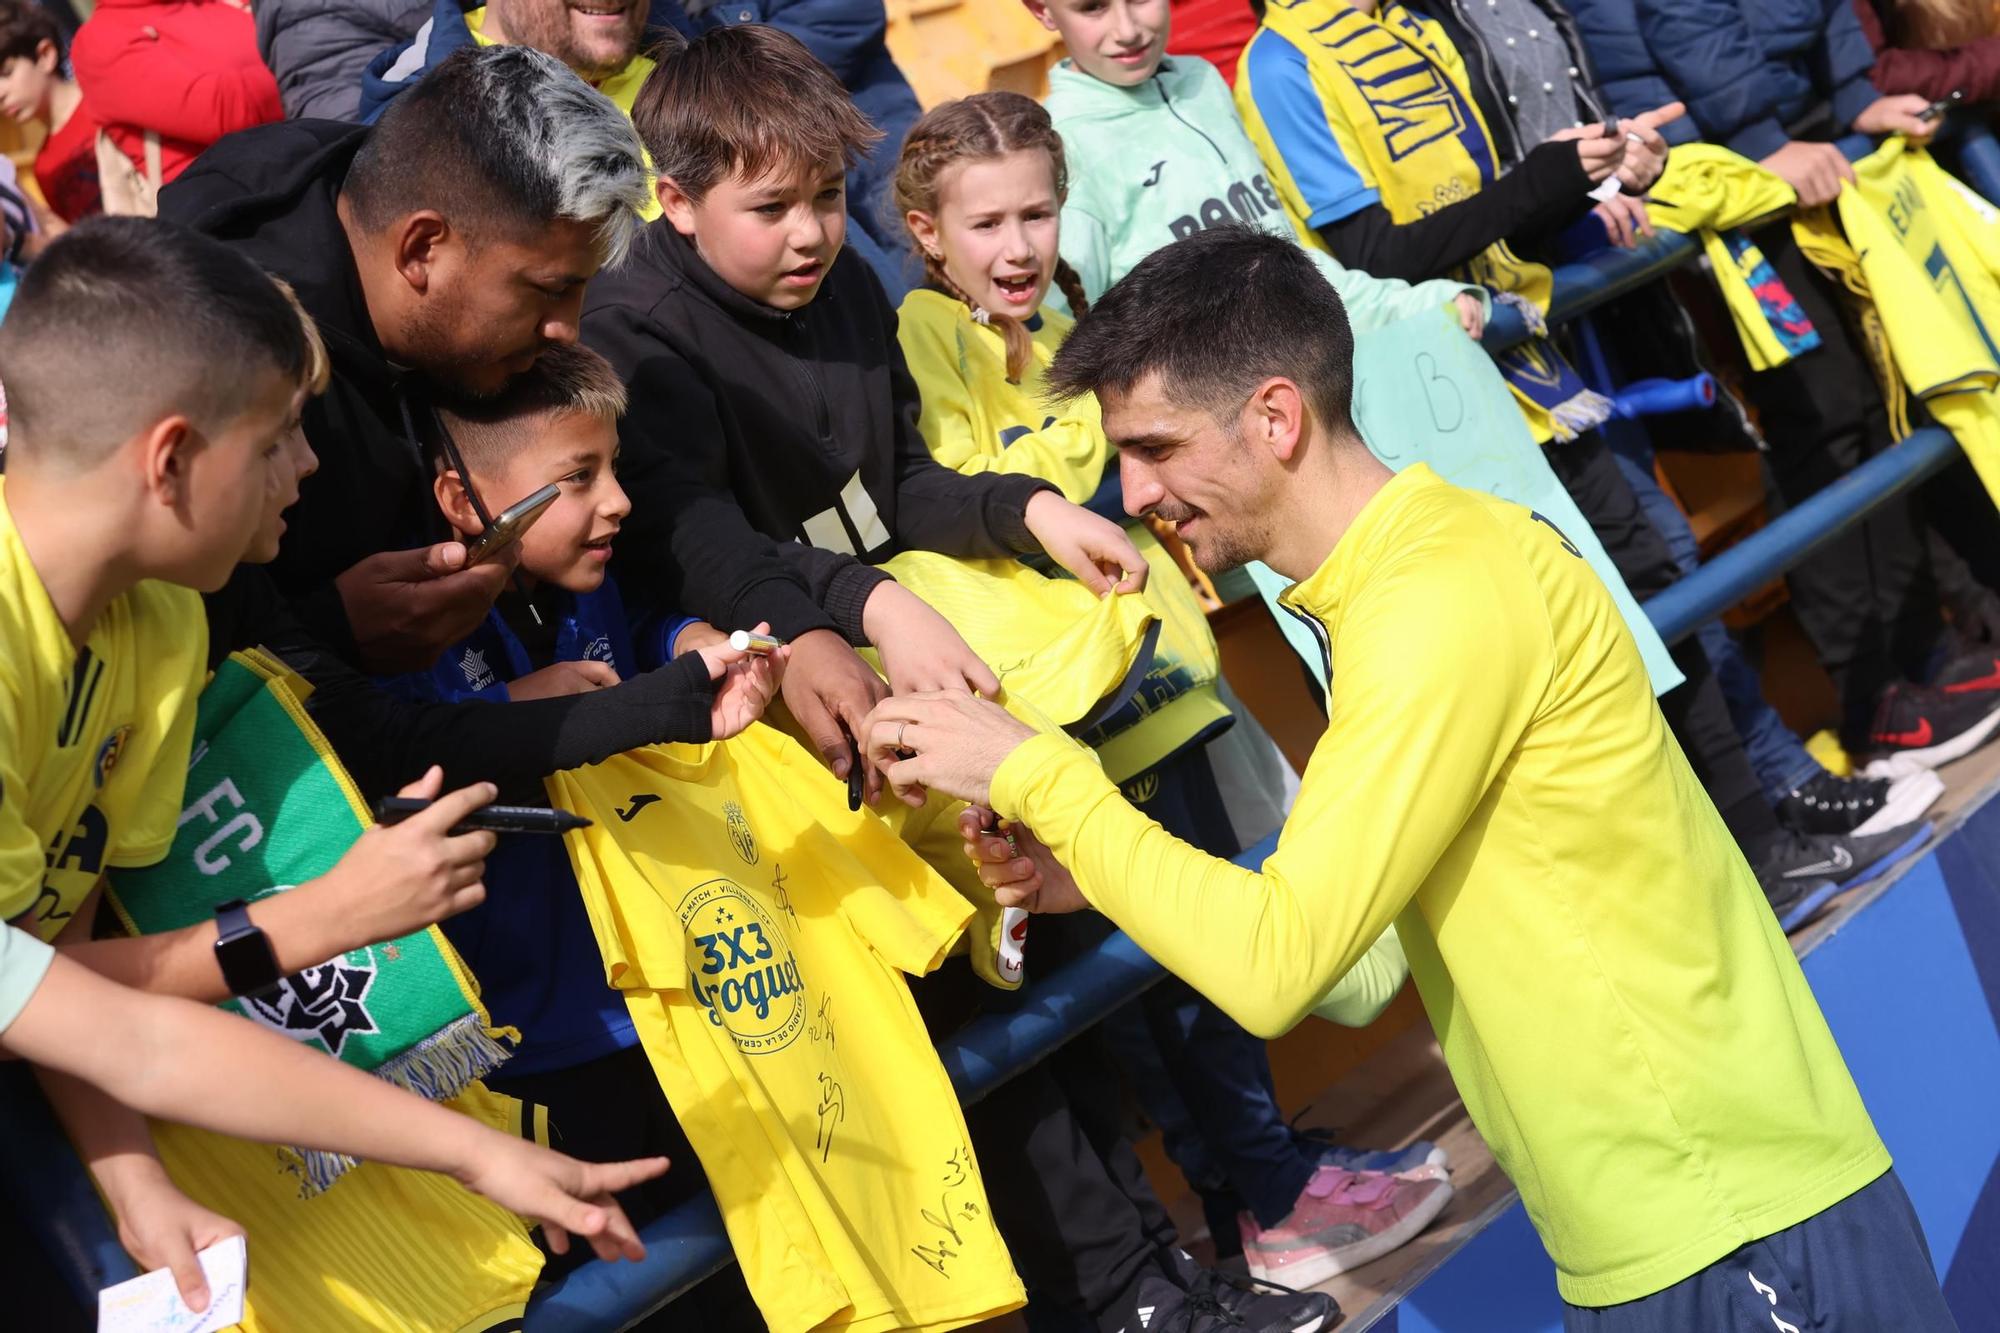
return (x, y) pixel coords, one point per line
(854, 777)
(491, 818)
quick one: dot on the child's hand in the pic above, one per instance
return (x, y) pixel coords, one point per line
(1022, 872)
(563, 678)
(398, 879)
(566, 1196)
(1601, 154)
(745, 683)
(1088, 546)
(920, 650)
(1471, 314)
(830, 690)
(160, 1227)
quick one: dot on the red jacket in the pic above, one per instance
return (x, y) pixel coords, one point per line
(1973, 69)
(1215, 30)
(187, 69)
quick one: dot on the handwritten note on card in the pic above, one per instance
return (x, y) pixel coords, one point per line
(151, 1303)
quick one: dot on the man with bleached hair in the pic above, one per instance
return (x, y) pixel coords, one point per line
(440, 251)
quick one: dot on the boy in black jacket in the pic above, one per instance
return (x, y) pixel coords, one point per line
(772, 438)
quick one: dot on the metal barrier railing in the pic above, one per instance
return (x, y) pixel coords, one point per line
(689, 1243)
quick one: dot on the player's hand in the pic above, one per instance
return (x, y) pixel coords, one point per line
(160, 1227)
(1023, 872)
(746, 682)
(399, 878)
(1815, 171)
(830, 690)
(1471, 312)
(1089, 546)
(1624, 219)
(563, 678)
(1900, 113)
(568, 1197)
(406, 607)
(954, 742)
(920, 649)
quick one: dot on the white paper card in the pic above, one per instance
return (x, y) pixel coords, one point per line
(151, 1303)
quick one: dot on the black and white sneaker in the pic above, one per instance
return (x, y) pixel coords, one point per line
(1863, 805)
(1259, 1304)
(1159, 1305)
(1799, 872)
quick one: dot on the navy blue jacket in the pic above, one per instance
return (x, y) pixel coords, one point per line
(1751, 71)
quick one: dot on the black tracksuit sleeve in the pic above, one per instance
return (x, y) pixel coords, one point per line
(385, 741)
(688, 542)
(938, 509)
(1548, 190)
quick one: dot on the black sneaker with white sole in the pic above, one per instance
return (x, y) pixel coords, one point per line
(1800, 871)
(1930, 725)
(1159, 1305)
(1259, 1304)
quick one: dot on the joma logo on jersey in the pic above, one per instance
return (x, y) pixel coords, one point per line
(741, 967)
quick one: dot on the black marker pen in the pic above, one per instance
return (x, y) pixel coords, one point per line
(491, 818)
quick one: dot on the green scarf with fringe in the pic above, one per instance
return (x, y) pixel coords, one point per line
(269, 806)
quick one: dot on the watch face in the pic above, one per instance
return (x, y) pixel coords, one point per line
(246, 961)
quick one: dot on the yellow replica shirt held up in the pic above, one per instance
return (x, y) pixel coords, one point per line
(757, 928)
(1622, 1015)
(93, 741)
(975, 421)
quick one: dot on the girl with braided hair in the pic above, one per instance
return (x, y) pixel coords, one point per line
(980, 187)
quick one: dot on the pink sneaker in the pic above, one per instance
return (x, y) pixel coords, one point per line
(1343, 1219)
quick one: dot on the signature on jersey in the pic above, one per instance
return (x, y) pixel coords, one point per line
(953, 1208)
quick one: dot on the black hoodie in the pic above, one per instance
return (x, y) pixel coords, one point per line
(270, 192)
(755, 435)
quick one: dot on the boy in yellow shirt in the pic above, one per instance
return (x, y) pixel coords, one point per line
(1495, 779)
(154, 381)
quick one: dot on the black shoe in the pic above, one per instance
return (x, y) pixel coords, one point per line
(1827, 804)
(1260, 1305)
(1159, 1305)
(1799, 871)
(1930, 725)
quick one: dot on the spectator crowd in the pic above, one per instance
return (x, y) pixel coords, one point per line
(647, 411)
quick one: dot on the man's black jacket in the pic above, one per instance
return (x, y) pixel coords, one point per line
(270, 192)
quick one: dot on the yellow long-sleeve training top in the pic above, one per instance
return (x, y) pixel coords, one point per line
(1622, 1015)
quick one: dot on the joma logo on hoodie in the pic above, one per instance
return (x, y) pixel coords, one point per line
(1247, 201)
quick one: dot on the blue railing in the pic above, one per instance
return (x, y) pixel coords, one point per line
(47, 1185)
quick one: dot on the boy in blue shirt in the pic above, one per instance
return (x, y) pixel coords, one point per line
(562, 630)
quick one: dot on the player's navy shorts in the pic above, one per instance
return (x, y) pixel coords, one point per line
(1861, 1266)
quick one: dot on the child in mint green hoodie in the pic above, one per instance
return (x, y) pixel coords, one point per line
(1156, 152)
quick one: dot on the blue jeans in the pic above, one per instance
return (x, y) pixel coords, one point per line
(1776, 755)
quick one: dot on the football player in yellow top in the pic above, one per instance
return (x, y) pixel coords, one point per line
(1619, 1008)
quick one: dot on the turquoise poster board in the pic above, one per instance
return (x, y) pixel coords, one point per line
(1426, 393)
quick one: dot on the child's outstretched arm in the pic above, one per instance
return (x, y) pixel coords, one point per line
(183, 1061)
(391, 882)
